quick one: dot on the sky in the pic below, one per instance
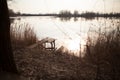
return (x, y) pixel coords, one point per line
(55, 6)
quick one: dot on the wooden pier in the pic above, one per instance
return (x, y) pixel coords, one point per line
(46, 43)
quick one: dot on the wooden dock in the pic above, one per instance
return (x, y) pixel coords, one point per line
(43, 44)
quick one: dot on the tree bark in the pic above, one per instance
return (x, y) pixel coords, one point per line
(7, 62)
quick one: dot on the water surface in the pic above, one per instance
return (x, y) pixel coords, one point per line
(70, 33)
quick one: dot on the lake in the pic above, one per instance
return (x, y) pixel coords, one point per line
(70, 33)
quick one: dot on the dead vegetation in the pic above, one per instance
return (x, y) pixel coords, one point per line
(101, 61)
(22, 35)
(46, 65)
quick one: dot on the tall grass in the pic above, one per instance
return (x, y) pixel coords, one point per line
(22, 35)
(104, 53)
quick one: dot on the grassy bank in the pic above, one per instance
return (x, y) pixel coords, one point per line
(101, 61)
(46, 65)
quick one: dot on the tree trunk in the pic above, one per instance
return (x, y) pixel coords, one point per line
(6, 56)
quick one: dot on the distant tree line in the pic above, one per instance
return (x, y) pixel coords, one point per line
(66, 13)
(12, 13)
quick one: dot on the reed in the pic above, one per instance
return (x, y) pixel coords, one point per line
(22, 35)
(104, 52)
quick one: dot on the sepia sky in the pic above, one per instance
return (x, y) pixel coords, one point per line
(54, 6)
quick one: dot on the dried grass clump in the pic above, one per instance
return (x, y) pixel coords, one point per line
(22, 35)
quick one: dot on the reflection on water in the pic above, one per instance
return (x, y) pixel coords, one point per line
(68, 32)
(68, 18)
